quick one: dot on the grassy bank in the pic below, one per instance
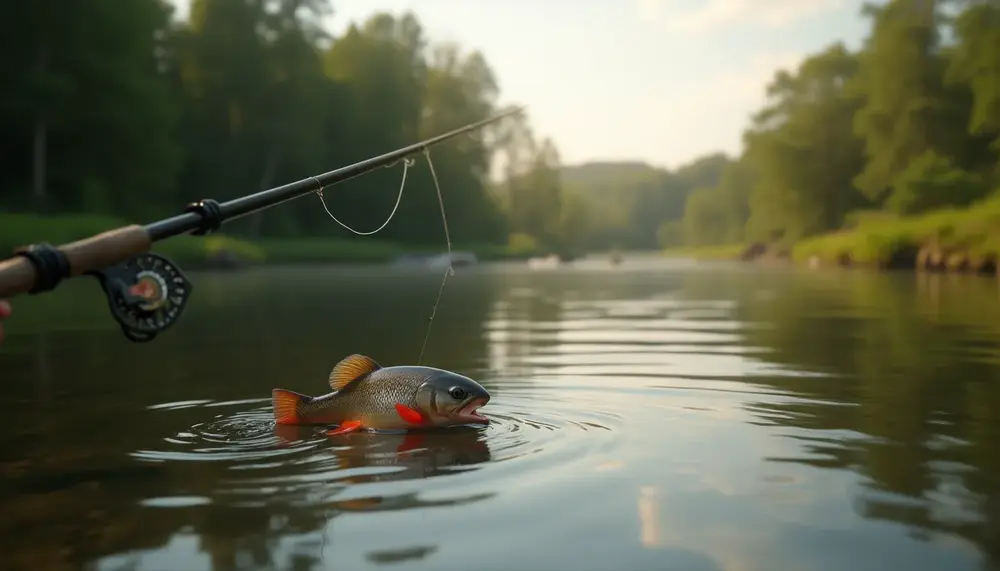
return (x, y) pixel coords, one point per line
(720, 252)
(965, 239)
(21, 229)
(950, 239)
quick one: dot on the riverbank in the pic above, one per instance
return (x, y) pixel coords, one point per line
(718, 252)
(958, 240)
(225, 251)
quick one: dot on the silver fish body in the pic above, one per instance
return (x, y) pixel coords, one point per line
(367, 395)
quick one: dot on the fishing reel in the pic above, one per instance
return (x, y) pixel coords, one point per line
(146, 295)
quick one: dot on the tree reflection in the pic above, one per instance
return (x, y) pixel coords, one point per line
(911, 395)
(526, 320)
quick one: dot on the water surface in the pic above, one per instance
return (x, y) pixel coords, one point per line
(662, 415)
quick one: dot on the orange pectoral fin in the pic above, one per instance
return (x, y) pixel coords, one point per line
(409, 415)
(345, 427)
(286, 406)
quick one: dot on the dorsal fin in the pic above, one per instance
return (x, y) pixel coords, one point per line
(351, 368)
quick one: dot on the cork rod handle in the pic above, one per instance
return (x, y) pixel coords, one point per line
(18, 275)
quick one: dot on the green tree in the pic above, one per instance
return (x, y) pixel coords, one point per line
(87, 110)
(975, 61)
(802, 150)
(735, 190)
(378, 71)
(631, 203)
(536, 197)
(224, 77)
(574, 223)
(706, 218)
(461, 89)
(907, 108)
(932, 181)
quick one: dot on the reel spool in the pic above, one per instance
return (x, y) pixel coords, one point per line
(146, 295)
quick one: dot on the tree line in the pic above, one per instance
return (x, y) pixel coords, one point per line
(120, 108)
(136, 113)
(908, 123)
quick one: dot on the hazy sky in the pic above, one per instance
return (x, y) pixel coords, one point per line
(658, 80)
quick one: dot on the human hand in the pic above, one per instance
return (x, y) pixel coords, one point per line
(4, 313)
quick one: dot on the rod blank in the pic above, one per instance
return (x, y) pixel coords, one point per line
(41, 267)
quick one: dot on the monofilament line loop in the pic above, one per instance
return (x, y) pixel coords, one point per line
(449, 271)
(407, 163)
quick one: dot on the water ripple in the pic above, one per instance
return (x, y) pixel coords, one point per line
(565, 389)
(264, 463)
(246, 435)
(745, 420)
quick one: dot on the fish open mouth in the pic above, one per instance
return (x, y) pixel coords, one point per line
(470, 412)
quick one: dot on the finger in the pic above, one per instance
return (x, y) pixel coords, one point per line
(4, 308)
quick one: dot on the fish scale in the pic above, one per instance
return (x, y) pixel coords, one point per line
(377, 394)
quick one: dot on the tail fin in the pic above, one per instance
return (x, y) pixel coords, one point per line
(287, 406)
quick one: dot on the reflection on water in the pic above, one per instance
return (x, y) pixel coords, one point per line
(657, 416)
(649, 516)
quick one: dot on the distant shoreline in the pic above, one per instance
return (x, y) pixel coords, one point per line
(962, 241)
(927, 258)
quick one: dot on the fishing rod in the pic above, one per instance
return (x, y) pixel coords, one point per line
(147, 292)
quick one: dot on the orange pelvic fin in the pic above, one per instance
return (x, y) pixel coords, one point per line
(288, 406)
(409, 415)
(345, 427)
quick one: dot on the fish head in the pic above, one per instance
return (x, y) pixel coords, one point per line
(447, 398)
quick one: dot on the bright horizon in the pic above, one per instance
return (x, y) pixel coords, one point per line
(660, 81)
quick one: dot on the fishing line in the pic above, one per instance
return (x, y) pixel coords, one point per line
(447, 237)
(407, 163)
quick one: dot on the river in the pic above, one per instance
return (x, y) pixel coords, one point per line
(658, 415)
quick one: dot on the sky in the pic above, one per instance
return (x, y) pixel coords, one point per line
(662, 81)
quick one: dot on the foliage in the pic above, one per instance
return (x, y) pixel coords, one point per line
(522, 243)
(670, 234)
(705, 220)
(802, 152)
(713, 252)
(975, 62)
(628, 203)
(134, 114)
(23, 229)
(974, 231)
(854, 140)
(931, 181)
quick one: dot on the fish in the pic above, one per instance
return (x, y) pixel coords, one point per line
(368, 396)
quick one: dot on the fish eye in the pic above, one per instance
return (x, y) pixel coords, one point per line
(457, 393)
